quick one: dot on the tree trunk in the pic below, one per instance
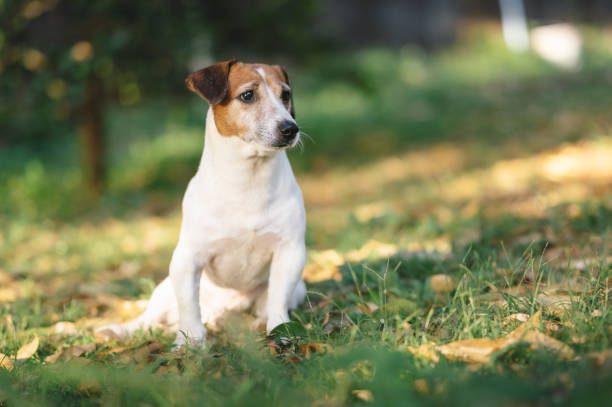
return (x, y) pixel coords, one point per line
(91, 132)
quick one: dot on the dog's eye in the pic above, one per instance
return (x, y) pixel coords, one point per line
(286, 96)
(247, 96)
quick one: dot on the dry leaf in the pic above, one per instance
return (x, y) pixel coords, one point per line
(273, 348)
(309, 348)
(323, 266)
(372, 248)
(70, 353)
(427, 350)
(8, 294)
(10, 325)
(538, 340)
(557, 305)
(365, 213)
(600, 358)
(28, 350)
(113, 351)
(480, 350)
(421, 386)
(442, 283)
(63, 328)
(6, 362)
(363, 395)
(473, 350)
(519, 316)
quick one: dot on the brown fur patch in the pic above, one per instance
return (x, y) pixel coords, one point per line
(211, 82)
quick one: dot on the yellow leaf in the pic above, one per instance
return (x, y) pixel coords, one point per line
(28, 350)
(428, 351)
(538, 340)
(8, 294)
(373, 248)
(472, 350)
(479, 350)
(64, 328)
(363, 395)
(6, 362)
(113, 351)
(323, 266)
(421, 386)
(441, 283)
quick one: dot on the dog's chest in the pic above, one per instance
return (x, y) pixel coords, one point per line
(241, 261)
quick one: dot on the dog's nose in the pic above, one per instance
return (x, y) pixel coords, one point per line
(288, 130)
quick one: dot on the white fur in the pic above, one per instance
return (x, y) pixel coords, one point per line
(241, 243)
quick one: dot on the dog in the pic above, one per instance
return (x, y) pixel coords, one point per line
(241, 243)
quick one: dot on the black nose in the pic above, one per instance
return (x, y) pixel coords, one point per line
(288, 130)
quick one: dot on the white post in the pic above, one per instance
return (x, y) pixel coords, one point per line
(514, 25)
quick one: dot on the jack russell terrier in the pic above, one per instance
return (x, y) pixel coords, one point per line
(241, 244)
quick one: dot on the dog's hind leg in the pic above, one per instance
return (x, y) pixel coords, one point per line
(161, 310)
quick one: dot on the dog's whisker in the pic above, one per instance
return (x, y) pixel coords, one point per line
(304, 135)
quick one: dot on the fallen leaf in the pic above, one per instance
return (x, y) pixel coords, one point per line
(64, 328)
(8, 294)
(473, 350)
(10, 325)
(372, 248)
(70, 353)
(421, 386)
(309, 348)
(144, 352)
(479, 351)
(442, 283)
(6, 362)
(367, 310)
(600, 358)
(363, 395)
(519, 316)
(365, 213)
(557, 305)
(538, 340)
(28, 350)
(114, 351)
(427, 351)
(323, 266)
(372, 307)
(273, 348)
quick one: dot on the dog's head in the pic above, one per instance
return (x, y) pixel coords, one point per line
(250, 101)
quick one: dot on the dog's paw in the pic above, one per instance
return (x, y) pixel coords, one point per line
(274, 322)
(112, 332)
(195, 338)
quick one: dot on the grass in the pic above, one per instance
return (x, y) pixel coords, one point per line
(473, 163)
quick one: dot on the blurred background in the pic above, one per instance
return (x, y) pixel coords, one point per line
(424, 120)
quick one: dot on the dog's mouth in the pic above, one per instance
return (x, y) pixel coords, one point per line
(285, 144)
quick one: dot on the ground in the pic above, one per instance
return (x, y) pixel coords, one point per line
(459, 233)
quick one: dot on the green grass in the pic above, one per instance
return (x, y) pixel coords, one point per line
(447, 158)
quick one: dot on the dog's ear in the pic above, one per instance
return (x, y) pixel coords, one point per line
(286, 76)
(211, 83)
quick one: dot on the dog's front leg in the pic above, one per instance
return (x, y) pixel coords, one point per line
(285, 273)
(185, 273)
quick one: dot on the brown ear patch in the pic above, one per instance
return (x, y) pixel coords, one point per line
(211, 83)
